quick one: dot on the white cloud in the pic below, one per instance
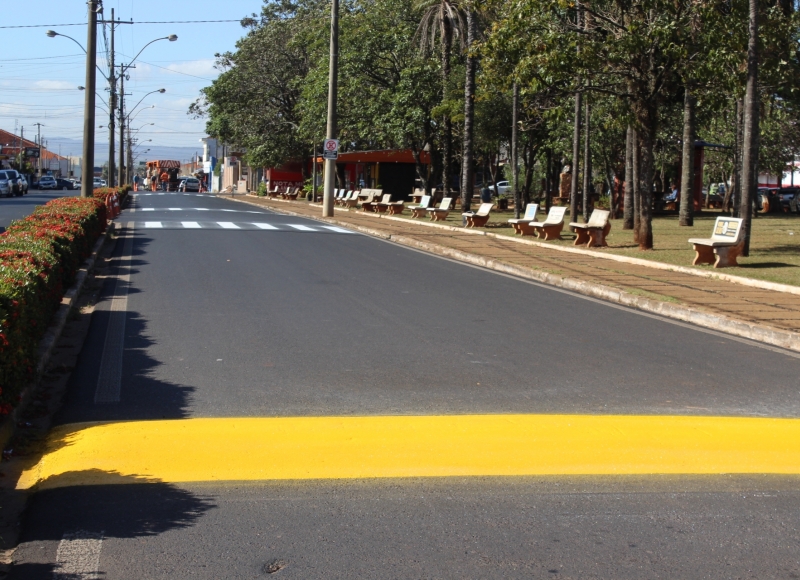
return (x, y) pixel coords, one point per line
(54, 85)
(199, 68)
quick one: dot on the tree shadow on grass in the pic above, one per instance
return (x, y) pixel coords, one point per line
(111, 506)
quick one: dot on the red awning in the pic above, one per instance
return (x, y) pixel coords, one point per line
(165, 164)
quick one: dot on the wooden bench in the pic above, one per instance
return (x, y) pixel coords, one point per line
(530, 216)
(478, 219)
(550, 228)
(420, 210)
(593, 234)
(396, 207)
(439, 214)
(340, 193)
(723, 247)
(293, 193)
(273, 193)
(382, 206)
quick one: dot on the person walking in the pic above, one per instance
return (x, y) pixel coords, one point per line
(136, 182)
(164, 180)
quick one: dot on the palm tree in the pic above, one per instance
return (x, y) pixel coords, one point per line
(442, 20)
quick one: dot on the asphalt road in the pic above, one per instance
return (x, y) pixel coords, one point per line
(14, 208)
(233, 311)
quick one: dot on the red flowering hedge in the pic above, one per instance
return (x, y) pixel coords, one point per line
(104, 192)
(39, 258)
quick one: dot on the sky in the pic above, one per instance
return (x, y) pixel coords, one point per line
(39, 75)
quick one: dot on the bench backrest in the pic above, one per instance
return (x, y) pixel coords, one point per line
(372, 192)
(425, 201)
(556, 214)
(727, 229)
(484, 209)
(599, 218)
(530, 211)
(340, 194)
(387, 198)
(446, 203)
(419, 191)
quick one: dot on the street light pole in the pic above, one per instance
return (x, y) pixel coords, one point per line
(112, 105)
(121, 163)
(87, 177)
(333, 77)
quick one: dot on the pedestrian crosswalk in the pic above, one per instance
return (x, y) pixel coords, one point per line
(141, 209)
(257, 226)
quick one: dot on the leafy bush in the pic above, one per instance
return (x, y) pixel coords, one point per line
(104, 192)
(39, 257)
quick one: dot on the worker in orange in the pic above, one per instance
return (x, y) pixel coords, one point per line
(164, 180)
(154, 181)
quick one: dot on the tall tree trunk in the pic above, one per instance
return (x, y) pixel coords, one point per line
(637, 189)
(576, 154)
(467, 158)
(750, 145)
(514, 151)
(447, 138)
(647, 140)
(737, 167)
(548, 194)
(687, 167)
(587, 161)
(627, 215)
(529, 159)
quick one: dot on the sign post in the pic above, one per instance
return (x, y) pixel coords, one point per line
(330, 149)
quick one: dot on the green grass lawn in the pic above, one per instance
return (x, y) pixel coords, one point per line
(774, 246)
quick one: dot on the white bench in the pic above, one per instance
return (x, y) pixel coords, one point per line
(478, 219)
(550, 228)
(593, 234)
(421, 209)
(439, 214)
(723, 247)
(383, 205)
(530, 216)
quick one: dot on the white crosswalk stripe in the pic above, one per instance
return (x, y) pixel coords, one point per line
(252, 226)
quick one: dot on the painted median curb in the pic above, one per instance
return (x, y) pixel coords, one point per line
(752, 331)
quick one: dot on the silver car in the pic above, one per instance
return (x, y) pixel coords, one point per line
(11, 183)
(47, 182)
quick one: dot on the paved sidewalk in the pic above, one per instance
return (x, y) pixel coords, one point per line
(778, 310)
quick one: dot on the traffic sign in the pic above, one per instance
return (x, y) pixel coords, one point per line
(330, 149)
(32, 152)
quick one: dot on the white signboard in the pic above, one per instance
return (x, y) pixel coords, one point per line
(330, 149)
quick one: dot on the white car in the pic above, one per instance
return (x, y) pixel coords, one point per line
(47, 182)
(503, 188)
(99, 182)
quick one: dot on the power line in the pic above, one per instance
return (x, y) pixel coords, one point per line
(128, 22)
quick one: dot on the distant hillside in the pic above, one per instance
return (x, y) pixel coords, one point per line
(74, 146)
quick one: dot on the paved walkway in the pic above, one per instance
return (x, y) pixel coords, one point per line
(771, 308)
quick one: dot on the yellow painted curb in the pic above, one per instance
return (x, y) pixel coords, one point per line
(241, 449)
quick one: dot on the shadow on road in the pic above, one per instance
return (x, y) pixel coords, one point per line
(119, 507)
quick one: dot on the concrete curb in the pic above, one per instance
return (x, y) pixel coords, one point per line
(721, 323)
(50, 338)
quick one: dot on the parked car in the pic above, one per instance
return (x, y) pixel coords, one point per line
(790, 199)
(46, 182)
(24, 183)
(189, 184)
(8, 182)
(16, 183)
(97, 183)
(503, 188)
(64, 184)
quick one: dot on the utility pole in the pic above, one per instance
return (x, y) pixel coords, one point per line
(333, 86)
(112, 105)
(21, 148)
(121, 163)
(87, 177)
(39, 141)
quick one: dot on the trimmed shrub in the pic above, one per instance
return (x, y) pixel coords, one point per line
(39, 257)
